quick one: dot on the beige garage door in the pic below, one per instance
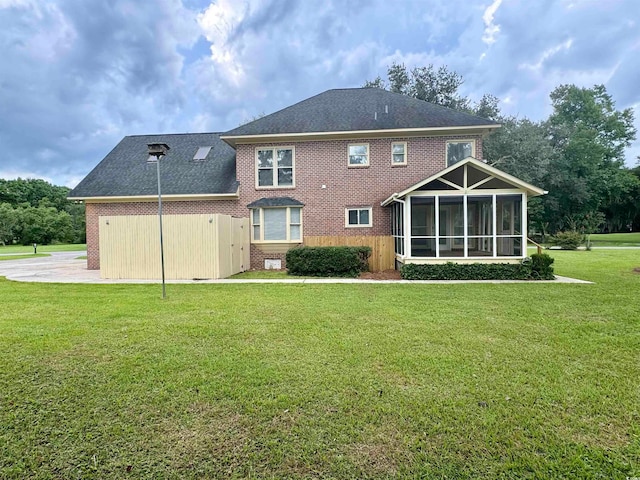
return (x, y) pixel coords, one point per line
(195, 246)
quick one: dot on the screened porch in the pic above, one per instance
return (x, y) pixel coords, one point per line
(468, 212)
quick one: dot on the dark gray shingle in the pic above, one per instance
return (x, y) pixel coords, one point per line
(126, 172)
(355, 109)
(276, 202)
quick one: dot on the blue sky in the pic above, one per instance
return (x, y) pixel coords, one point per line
(78, 75)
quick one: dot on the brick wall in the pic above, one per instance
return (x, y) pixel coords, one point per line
(325, 163)
(317, 163)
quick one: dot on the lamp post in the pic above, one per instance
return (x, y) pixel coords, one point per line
(159, 150)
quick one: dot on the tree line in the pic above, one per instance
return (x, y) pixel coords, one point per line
(576, 154)
(35, 211)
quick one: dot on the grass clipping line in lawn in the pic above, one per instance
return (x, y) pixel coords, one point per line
(22, 257)
(324, 380)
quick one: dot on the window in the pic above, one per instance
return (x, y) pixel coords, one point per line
(459, 150)
(274, 167)
(202, 153)
(276, 224)
(399, 153)
(358, 217)
(359, 155)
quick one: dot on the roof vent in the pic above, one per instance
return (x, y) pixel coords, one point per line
(202, 153)
(386, 109)
(375, 116)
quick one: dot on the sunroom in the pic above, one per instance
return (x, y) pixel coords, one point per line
(468, 212)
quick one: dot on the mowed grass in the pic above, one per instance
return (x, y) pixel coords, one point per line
(325, 381)
(63, 247)
(616, 239)
(21, 257)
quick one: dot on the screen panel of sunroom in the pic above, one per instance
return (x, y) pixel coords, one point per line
(509, 225)
(423, 227)
(487, 235)
(397, 227)
(480, 225)
(451, 226)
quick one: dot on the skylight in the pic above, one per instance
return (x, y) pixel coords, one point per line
(202, 153)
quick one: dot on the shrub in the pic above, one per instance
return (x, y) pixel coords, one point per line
(538, 267)
(541, 266)
(328, 261)
(569, 240)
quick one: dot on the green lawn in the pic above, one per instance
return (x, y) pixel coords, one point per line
(265, 274)
(20, 257)
(65, 247)
(616, 239)
(325, 381)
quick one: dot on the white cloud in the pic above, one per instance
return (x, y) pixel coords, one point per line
(546, 55)
(12, 174)
(218, 23)
(491, 29)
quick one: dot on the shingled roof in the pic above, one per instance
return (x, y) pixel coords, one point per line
(125, 171)
(352, 109)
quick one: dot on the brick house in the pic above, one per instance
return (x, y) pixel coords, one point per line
(348, 164)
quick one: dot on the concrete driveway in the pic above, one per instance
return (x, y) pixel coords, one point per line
(64, 267)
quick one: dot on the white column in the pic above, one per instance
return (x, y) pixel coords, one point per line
(437, 225)
(525, 221)
(406, 226)
(465, 227)
(495, 226)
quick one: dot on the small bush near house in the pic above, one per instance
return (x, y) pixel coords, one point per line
(569, 240)
(538, 267)
(541, 266)
(328, 261)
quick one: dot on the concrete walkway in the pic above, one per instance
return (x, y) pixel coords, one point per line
(63, 267)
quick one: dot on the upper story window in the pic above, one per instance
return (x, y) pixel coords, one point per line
(358, 155)
(399, 153)
(459, 150)
(275, 167)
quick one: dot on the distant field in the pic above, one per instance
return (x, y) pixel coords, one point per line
(20, 257)
(616, 239)
(73, 247)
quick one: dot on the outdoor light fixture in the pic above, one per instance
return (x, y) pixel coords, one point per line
(159, 150)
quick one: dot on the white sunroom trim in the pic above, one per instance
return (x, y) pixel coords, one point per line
(465, 257)
(517, 183)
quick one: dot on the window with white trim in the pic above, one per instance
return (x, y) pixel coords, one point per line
(358, 217)
(282, 224)
(275, 167)
(459, 150)
(399, 153)
(358, 154)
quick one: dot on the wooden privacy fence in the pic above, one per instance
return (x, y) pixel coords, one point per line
(382, 252)
(195, 246)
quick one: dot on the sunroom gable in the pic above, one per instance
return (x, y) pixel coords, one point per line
(468, 175)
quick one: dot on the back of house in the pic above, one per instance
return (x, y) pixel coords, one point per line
(360, 166)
